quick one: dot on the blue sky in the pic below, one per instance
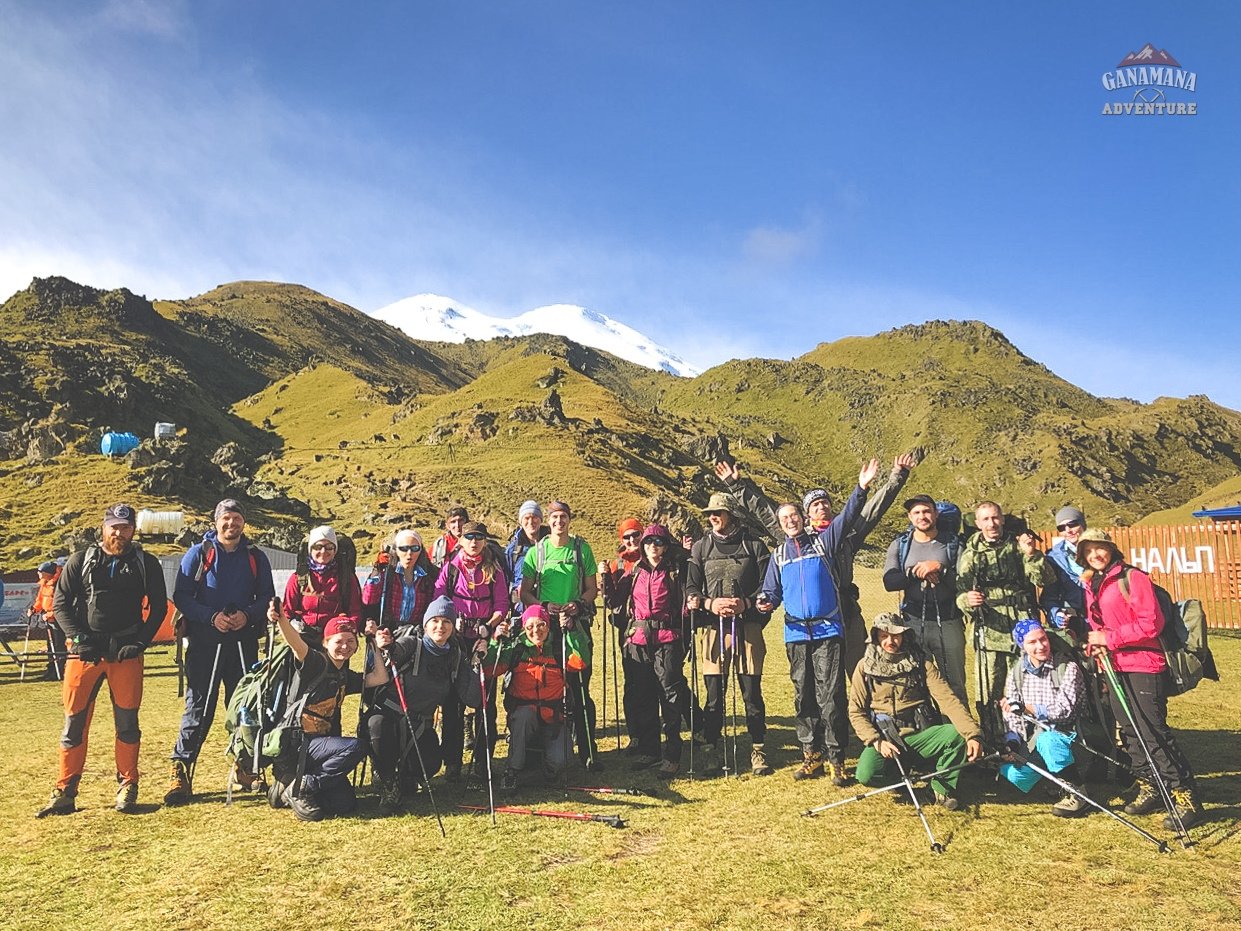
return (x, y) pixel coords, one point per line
(735, 179)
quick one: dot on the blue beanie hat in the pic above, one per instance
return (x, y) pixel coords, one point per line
(442, 607)
(1022, 628)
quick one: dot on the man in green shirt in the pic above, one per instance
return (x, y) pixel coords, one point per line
(559, 573)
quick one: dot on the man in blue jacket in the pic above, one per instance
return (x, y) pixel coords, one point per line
(223, 588)
(801, 576)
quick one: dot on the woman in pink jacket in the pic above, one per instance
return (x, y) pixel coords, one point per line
(1126, 621)
(475, 581)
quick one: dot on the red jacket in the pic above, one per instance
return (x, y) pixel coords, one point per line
(323, 602)
(1132, 624)
(657, 601)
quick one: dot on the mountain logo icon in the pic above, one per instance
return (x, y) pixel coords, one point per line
(1149, 55)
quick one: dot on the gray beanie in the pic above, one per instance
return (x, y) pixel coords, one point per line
(815, 494)
(529, 507)
(442, 607)
(1069, 513)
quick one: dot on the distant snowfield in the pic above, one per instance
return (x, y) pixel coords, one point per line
(434, 317)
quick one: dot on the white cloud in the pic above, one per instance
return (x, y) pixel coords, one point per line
(779, 246)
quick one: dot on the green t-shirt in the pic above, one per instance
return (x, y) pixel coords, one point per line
(559, 582)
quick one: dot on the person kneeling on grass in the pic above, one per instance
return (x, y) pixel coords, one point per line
(324, 680)
(433, 665)
(895, 699)
(1041, 699)
(534, 696)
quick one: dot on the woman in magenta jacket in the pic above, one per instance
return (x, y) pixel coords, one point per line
(1126, 621)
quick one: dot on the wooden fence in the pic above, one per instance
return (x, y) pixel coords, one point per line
(1200, 561)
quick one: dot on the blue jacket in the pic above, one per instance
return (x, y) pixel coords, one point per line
(1067, 590)
(228, 580)
(515, 556)
(800, 576)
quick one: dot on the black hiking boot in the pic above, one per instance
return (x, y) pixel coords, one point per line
(62, 802)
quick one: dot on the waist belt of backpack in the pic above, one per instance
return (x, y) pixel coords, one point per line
(1008, 601)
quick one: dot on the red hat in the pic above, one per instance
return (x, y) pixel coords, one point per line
(628, 525)
(341, 624)
(535, 611)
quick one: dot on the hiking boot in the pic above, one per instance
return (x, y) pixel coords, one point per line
(242, 779)
(710, 765)
(758, 761)
(947, 801)
(811, 765)
(839, 775)
(336, 797)
(389, 796)
(180, 788)
(1148, 800)
(452, 772)
(1070, 806)
(643, 760)
(305, 806)
(127, 797)
(276, 792)
(508, 781)
(1185, 800)
(668, 769)
(62, 802)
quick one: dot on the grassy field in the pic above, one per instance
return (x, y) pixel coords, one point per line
(703, 854)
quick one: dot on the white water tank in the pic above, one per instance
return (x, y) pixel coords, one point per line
(165, 431)
(160, 522)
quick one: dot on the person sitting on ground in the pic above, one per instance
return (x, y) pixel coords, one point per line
(473, 577)
(411, 583)
(431, 664)
(535, 695)
(326, 588)
(653, 652)
(1041, 700)
(895, 701)
(1125, 623)
(324, 680)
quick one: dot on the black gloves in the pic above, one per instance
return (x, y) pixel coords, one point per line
(130, 651)
(87, 652)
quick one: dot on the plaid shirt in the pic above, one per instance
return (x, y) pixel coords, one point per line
(1055, 704)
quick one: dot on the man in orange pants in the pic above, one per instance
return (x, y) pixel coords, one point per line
(99, 605)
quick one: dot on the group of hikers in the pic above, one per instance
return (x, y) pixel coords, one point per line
(1065, 643)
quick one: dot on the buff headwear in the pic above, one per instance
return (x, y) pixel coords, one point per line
(1022, 629)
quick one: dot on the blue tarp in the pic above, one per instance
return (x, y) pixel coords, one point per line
(1229, 513)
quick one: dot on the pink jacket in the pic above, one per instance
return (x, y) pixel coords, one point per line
(1132, 624)
(471, 595)
(323, 602)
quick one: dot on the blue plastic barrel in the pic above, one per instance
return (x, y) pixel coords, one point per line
(117, 444)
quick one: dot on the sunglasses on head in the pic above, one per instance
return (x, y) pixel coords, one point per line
(412, 548)
(475, 536)
(1068, 525)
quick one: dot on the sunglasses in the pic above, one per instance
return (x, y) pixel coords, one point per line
(412, 548)
(1068, 525)
(475, 536)
(323, 546)
(637, 535)
(657, 541)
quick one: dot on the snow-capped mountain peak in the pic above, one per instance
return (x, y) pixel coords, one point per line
(434, 317)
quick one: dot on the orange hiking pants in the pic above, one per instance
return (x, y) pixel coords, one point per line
(81, 687)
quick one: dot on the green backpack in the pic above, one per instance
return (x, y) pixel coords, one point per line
(266, 709)
(1184, 638)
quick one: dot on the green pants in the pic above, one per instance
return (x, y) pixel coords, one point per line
(937, 747)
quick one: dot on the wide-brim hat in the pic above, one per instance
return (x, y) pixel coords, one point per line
(1094, 537)
(889, 622)
(719, 502)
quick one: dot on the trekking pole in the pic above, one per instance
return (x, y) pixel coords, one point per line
(385, 578)
(199, 736)
(413, 736)
(606, 790)
(936, 846)
(612, 821)
(724, 729)
(26, 649)
(482, 713)
(693, 699)
(735, 663)
(614, 644)
(53, 654)
(1164, 794)
(914, 777)
(1043, 725)
(1069, 787)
